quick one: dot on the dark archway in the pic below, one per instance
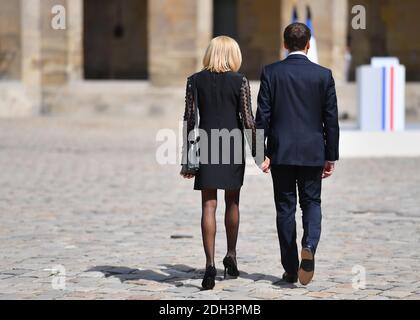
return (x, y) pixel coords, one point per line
(10, 40)
(391, 31)
(256, 25)
(115, 39)
(225, 18)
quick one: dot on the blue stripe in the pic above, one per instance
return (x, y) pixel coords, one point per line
(384, 98)
(310, 26)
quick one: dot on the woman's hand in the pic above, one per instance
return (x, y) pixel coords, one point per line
(186, 175)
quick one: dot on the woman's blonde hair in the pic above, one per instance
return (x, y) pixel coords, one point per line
(222, 55)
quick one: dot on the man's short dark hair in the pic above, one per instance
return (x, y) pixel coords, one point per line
(296, 36)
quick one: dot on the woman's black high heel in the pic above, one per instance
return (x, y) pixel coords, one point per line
(230, 267)
(209, 278)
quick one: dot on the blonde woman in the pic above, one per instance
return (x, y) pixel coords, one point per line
(222, 97)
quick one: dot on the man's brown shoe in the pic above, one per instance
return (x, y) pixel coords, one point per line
(307, 266)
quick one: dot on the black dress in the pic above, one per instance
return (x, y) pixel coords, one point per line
(224, 104)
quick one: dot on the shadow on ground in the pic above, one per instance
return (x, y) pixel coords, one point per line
(176, 274)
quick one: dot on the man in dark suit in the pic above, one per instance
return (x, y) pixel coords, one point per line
(297, 108)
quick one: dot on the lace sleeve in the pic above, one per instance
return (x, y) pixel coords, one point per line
(247, 116)
(189, 114)
(189, 118)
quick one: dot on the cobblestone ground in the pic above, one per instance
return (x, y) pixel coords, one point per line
(88, 196)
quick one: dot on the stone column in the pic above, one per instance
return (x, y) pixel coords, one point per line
(286, 18)
(54, 55)
(31, 52)
(54, 45)
(75, 40)
(339, 30)
(204, 29)
(179, 31)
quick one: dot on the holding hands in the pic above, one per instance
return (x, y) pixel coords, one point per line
(266, 165)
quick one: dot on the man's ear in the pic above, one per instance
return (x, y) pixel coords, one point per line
(308, 46)
(285, 46)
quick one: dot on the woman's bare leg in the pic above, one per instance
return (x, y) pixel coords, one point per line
(208, 224)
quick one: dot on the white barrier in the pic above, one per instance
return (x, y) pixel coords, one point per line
(357, 144)
(381, 89)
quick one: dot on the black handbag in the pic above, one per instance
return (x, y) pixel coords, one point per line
(192, 164)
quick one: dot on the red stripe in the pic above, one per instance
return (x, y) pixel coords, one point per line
(392, 98)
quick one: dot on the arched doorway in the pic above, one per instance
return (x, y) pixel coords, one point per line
(10, 40)
(391, 26)
(256, 25)
(115, 39)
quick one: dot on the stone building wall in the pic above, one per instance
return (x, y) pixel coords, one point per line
(46, 74)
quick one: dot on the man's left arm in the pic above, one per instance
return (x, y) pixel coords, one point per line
(331, 125)
(263, 115)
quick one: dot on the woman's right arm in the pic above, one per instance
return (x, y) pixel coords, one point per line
(254, 137)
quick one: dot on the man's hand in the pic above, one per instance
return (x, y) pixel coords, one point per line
(266, 165)
(328, 169)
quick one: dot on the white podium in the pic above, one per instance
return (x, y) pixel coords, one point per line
(381, 90)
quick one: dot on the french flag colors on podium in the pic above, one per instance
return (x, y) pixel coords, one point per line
(381, 88)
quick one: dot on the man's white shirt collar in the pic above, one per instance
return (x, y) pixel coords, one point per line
(298, 52)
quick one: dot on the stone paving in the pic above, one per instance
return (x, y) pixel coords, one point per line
(86, 213)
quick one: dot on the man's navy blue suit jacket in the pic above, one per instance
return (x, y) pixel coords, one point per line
(297, 108)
